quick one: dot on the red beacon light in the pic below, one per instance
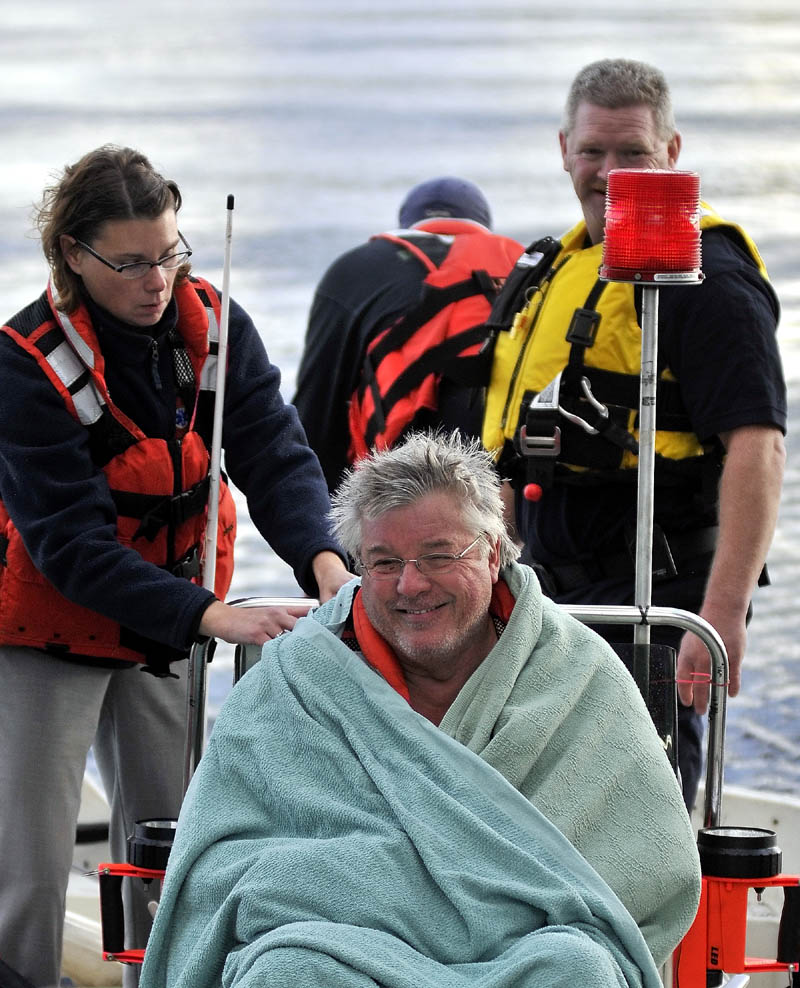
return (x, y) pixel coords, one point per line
(652, 227)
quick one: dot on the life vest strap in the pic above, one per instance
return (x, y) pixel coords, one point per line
(157, 511)
(445, 359)
(433, 301)
(532, 268)
(584, 324)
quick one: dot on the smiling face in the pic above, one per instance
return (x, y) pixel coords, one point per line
(141, 301)
(602, 139)
(437, 624)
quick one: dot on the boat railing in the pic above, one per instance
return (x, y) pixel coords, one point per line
(246, 655)
(717, 704)
(197, 686)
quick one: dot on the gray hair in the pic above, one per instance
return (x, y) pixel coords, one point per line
(423, 464)
(615, 83)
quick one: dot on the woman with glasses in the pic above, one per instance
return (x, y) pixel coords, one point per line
(105, 428)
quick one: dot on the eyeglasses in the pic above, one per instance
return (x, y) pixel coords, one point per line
(138, 269)
(431, 564)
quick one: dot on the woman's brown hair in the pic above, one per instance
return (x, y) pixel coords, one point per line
(109, 183)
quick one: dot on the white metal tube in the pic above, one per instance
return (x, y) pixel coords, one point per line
(646, 472)
(643, 586)
(210, 554)
(200, 654)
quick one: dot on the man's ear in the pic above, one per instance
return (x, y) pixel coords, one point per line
(494, 560)
(674, 149)
(562, 141)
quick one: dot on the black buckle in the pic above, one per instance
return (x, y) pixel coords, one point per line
(583, 327)
(188, 566)
(540, 435)
(662, 563)
(174, 509)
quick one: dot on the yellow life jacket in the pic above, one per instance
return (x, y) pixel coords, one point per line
(600, 341)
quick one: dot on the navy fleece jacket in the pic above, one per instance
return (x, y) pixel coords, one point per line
(61, 504)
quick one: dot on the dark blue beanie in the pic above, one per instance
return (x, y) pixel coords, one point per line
(446, 196)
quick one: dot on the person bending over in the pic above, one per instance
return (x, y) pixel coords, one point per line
(105, 429)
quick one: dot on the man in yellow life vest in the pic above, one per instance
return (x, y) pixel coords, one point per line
(721, 402)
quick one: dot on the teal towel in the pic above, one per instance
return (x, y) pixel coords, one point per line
(554, 709)
(333, 837)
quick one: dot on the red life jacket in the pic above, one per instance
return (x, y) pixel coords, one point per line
(441, 336)
(160, 489)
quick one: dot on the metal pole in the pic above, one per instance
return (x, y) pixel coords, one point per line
(196, 687)
(199, 655)
(214, 470)
(644, 568)
(244, 657)
(645, 494)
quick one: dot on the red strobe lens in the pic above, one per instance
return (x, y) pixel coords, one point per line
(652, 231)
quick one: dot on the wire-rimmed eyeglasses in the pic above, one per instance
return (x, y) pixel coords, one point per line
(138, 269)
(431, 564)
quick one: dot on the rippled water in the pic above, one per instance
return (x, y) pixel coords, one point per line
(318, 116)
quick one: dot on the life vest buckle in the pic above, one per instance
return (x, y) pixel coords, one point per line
(583, 327)
(598, 406)
(188, 566)
(539, 445)
(539, 434)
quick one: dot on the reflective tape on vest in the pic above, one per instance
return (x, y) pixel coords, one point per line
(208, 375)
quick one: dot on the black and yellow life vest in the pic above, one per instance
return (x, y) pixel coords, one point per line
(590, 355)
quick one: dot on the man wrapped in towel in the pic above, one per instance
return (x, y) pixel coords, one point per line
(439, 778)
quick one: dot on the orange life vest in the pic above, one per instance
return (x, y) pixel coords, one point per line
(440, 336)
(160, 489)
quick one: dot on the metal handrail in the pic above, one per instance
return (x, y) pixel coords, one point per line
(242, 656)
(197, 684)
(586, 613)
(717, 702)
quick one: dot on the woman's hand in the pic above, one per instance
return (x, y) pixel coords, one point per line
(330, 574)
(256, 625)
(249, 625)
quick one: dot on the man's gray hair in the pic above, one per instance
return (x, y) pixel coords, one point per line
(615, 83)
(423, 464)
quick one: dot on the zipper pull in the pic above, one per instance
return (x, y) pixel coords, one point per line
(154, 365)
(521, 323)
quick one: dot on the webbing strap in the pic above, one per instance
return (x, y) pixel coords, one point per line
(157, 510)
(442, 359)
(589, 308)
(433, 301)
(532, 268)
